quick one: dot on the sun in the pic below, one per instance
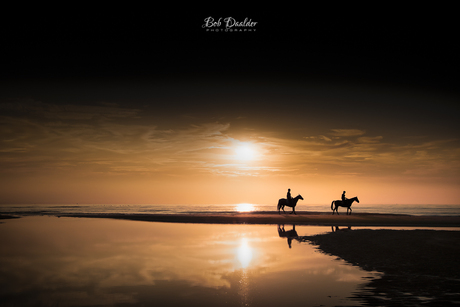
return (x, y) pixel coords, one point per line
(245, 152)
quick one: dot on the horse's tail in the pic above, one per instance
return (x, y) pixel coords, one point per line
(332, 205)
(279, 205)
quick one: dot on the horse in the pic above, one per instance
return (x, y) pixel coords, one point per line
(343, 203)
(283, 202)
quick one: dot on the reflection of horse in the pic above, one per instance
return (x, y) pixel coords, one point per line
(283, 202)
(343, 203)
(337, 229)
(290, 234)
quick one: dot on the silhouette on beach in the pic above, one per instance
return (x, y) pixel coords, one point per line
(282, 202)
(290, 234)
(343, 203)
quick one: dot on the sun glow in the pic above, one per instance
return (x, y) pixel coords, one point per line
(245, 152)
(244, 207)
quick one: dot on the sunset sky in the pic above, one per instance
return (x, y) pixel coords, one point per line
(135, 108)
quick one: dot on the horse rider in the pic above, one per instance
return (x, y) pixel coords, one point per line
(289, 197)
(343, 196)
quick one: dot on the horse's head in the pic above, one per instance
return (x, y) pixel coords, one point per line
(357, 200)
(299, 197)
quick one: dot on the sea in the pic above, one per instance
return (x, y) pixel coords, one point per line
(58, 209)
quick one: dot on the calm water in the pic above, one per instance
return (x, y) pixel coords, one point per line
(50, 261)
(441, 210)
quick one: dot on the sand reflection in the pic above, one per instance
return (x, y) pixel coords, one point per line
(77, 262)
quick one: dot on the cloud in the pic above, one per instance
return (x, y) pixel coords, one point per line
(370, 140)
(346, 132)
(100, 139)
(369, 155)
(322, 137)
(112, 140)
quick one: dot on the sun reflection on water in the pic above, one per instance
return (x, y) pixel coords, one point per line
(244, 253)
(245, 207)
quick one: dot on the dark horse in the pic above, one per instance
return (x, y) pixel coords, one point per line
(346, 203)
(283, 202)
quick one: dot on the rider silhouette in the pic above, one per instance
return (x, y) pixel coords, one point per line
(343, 196)
(288, 196)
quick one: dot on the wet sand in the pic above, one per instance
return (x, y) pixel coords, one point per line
(420, 267)
(302, 218)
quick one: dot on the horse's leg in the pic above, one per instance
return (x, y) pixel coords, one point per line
(350, 210)
(293, 210)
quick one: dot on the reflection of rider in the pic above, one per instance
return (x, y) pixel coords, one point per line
(343, 196)
(289, 197)
(290, 234)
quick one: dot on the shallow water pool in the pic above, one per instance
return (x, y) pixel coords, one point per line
(50, 261)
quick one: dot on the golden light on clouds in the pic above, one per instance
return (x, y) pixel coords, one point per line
(111, 154)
